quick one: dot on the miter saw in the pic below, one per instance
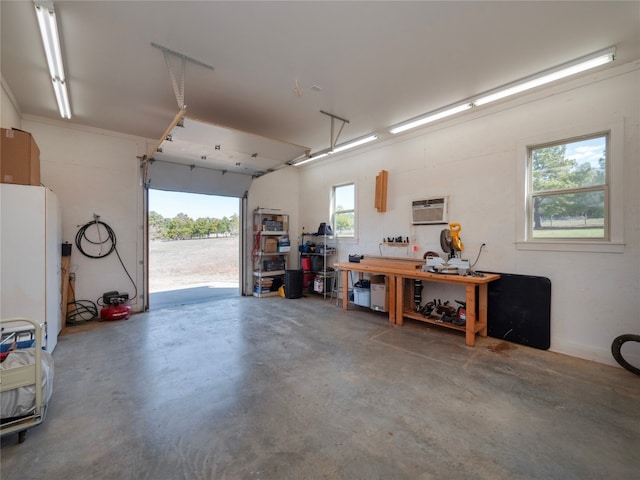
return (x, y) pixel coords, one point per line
(452, 245)
(450, 241)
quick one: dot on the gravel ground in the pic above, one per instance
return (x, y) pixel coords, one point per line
(191, 263)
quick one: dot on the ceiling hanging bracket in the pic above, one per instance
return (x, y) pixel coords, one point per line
(334, 138)
(178, 84)
(177, 90)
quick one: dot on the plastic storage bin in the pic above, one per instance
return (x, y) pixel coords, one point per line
(362, 296)
(379, 296)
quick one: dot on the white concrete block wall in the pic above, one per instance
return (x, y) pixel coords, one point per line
(473, 159)
(595, 296)
(95, 171)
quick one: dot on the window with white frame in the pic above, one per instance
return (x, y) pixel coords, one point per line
(343, 208)
(568, 189)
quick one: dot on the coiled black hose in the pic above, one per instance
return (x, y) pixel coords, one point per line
(82, 236)
(109, 241)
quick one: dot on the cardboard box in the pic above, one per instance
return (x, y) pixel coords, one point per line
(19, 158)
(270, 245)
(322, 284)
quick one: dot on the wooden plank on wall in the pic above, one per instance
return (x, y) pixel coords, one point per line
(381, 191)
(383, 187)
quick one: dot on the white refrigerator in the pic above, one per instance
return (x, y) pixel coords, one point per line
(30, 256)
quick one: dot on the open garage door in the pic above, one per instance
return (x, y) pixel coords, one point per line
(176, 177)
(199, 157)
(194, 248)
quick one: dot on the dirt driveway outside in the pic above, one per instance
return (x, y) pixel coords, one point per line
(179, 264)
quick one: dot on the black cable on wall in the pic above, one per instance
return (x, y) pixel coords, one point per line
(109, 244)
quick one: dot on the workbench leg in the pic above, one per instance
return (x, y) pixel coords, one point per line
(345, 289)
(483, 299)
(392, 298)
(399, 300)
(471, 315)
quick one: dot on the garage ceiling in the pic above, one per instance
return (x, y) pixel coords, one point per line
(276, 65)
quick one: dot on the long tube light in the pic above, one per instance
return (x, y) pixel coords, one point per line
(355, 143)
(430, 117)
(339, 148)
(581, 64)
(312, 158)
(51, 41)
(551, 75)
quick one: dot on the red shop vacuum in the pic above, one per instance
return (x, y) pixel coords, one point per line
(115, 307)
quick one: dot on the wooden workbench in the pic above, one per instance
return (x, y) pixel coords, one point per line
(476, 289)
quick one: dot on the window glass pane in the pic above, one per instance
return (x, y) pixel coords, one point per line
(576, 164)
(345, 224)
(569, 215)
(345, 197)
(344, 215)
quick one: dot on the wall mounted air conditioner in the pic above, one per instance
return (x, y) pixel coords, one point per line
(430, 211)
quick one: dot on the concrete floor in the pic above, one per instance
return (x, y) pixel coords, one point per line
(186, 296)
(273, 388)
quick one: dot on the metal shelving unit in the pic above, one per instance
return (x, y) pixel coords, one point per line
(270, 254)
(324, 247)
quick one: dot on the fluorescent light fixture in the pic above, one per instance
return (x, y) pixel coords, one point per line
(355, 143)
(430, 117)
(551, 75)
(51, 41)
(581, 64)
(340, 148)
(311, 159)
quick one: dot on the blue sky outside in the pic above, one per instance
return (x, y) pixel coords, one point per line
(590, 150)
(170, 204)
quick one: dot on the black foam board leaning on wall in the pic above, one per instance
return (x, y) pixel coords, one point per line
(519, 310)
